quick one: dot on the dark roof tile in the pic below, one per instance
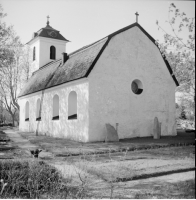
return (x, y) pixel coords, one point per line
(54, 74)
(40, 79)
(44, 32)
(77, 65)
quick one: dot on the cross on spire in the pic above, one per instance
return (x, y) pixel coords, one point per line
(48, 20)
(137, 16)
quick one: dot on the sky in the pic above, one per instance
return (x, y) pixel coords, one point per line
(83, 22)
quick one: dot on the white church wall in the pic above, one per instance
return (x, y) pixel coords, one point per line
(75, 129)
(130, 55)
(34, 63)
(46, 43)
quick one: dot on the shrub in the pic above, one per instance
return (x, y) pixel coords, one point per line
(190, 116)
(183, 113)
(32, 179)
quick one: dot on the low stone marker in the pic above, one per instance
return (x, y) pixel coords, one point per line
(156, 129)
(111, 134)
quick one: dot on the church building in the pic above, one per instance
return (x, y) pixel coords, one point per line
(121, 79)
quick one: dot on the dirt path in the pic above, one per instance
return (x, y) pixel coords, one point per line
(22, 144)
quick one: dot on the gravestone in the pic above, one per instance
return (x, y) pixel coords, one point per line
(156, 129)
(111, 134)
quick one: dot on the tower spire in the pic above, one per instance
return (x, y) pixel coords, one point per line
(137, 16)
(48, 20)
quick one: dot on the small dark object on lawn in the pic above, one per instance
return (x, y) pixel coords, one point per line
(35, 152)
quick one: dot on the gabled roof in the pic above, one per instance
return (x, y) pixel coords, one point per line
(46, 32)
(40, 80)
(79, 65)
(53, 74)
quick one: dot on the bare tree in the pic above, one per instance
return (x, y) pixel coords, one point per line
(14, 67)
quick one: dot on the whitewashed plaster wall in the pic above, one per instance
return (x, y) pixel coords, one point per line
(34, 63)
(42, 46)
(63, 128)
(130, 55)
(45, 44)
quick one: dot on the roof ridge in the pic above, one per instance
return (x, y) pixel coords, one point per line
(86, 47)
(50, 28)
(46, 65)
(110, 35)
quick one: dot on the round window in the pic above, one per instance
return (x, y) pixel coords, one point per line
(137, 87)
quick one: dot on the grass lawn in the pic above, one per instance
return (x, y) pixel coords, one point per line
(180, 190)
(118, 166)
(34, 179)
(129, 170)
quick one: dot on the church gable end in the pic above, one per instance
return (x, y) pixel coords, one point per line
(130, 85)
(149, 37)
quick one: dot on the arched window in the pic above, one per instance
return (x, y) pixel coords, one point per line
(34, 51)
(52, 53)
(27, 111)
(55, 107)
(38, 110)
(72, 105)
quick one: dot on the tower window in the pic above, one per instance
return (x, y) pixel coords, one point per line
(34, 53)
(52, 53)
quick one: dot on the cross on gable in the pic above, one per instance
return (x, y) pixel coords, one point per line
(137, 16)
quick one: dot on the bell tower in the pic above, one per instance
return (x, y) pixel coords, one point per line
(46, 45)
